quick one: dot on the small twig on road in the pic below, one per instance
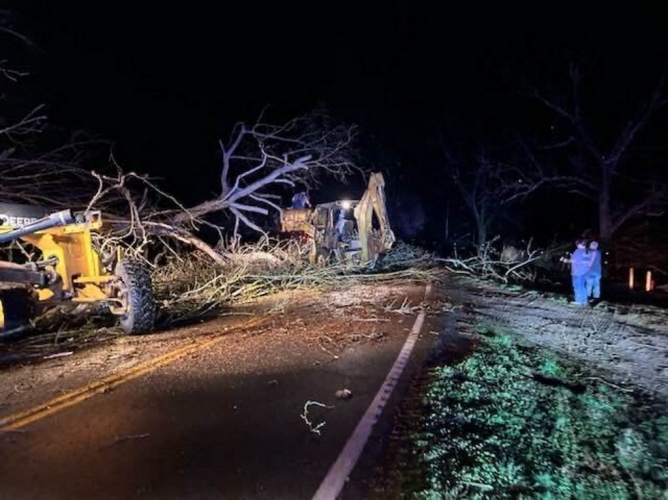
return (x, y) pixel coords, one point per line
(405, 308)
(304, 416)
(374, 335)
(325, 349)
(19, 390)
(131, 437)
(58, 355)
(12, 431)
(370, 320)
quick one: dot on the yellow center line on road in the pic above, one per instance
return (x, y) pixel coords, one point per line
(23, 418)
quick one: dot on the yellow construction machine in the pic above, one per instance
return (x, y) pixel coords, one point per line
(66, 267)
(354, 232)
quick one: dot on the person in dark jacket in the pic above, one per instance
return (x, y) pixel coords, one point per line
(593, 278)
(300, 200)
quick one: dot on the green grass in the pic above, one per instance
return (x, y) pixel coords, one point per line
(512, 422)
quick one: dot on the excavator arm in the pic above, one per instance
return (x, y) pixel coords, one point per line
(373, 242)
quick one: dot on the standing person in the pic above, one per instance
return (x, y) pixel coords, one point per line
(341, 222)
(579, 261)
(300, 200)
(593, 278)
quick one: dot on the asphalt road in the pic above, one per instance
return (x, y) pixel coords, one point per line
(220, 423)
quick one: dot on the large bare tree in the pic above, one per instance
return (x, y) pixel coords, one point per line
(36, 166)
(599, 169)
(261, 159)
(259, 162)
(489, 185)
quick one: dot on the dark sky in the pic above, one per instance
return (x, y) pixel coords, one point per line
(164, 83)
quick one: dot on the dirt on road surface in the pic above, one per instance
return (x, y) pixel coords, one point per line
(626, 343)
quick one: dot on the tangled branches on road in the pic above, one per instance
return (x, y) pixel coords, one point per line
(404, 255)
(189, 286)
(508, 265)
(192, 285)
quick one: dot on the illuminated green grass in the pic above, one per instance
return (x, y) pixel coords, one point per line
(510, 422)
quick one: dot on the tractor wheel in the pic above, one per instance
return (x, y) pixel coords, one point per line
(136, 293)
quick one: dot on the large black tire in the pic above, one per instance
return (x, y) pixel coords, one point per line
(141, 308)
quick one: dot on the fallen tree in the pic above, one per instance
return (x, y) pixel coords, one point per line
(259, 162)
(190, 286)
(506, 264)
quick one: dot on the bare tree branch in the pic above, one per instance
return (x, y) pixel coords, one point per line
(597, 168)
(261, 158)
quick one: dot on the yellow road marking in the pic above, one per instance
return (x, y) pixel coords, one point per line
(23, 418)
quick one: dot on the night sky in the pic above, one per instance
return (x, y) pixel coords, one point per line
(163, 84)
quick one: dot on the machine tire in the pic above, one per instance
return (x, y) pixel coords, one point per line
(141, 307)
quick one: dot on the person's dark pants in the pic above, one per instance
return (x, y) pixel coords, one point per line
(579, 289)
(593, 285)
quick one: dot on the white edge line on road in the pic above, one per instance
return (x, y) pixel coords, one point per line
(338, 474)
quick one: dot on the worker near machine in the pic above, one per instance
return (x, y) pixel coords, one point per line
(341, 222)
(301, 200)
(579, 261)
(593, 277)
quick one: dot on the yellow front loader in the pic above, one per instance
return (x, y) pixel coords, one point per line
(68, 270)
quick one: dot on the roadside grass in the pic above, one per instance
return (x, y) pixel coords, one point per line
(514, 422)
